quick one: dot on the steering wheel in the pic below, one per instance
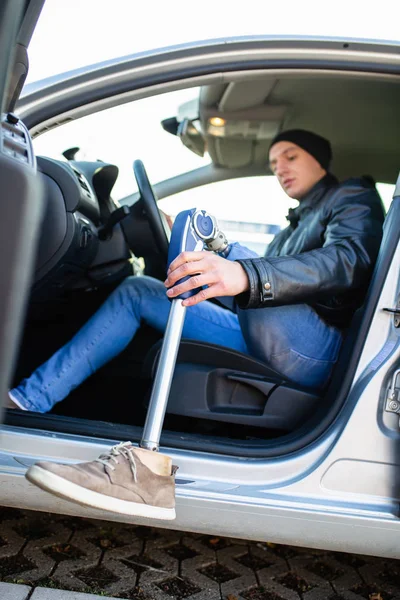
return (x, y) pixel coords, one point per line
(157, 220)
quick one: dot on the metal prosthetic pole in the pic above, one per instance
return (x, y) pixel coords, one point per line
(163, 379)
(192, 231)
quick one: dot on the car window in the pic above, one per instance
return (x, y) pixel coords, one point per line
(386, 191)
(124, 133)
(250, 210)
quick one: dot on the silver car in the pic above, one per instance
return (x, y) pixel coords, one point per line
(258, 458)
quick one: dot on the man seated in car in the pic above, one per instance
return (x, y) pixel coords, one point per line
(290, 307)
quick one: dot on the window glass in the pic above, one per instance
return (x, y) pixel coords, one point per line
(122, 134)
(249, 210)
(386, 191)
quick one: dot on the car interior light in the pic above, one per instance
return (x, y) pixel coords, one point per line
(217, 121)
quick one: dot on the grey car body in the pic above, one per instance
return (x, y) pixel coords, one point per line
(332, 480)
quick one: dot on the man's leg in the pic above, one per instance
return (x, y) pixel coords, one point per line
(111, 329)
(293, 340)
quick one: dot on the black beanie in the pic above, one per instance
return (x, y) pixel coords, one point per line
(312, 143)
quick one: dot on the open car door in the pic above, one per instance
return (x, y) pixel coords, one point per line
(20, 192)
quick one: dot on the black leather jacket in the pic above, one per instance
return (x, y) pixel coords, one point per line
(325, 257)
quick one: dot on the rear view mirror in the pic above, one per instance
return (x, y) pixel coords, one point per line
(191, 137)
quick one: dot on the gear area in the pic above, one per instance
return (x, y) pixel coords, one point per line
(42, 551)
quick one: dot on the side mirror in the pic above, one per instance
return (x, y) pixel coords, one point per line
(191, 137)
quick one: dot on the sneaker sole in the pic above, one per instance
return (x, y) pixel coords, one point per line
(71, 491)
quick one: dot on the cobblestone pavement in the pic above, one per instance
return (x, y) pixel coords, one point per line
(145, 563)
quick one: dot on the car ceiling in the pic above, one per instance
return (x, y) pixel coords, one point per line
(358, 114)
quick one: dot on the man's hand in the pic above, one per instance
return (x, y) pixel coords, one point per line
(223, 277)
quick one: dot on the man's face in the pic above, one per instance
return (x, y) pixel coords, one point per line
(297, 171)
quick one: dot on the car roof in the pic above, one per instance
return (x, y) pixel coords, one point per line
(357, 110)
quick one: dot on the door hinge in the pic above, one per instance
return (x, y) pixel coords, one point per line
(393, 395)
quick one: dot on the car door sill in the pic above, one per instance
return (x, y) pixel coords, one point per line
(171, 439)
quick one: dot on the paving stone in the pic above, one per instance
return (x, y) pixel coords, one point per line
(311, 576)
(66, 570)
(13, 541)
(11, 591)
(273, 580)
(47, 594)
(194, 569)
(89, 559)
(244, 578)
(381, 576)
(169, 567)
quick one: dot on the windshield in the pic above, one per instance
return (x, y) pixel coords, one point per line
(71, 33)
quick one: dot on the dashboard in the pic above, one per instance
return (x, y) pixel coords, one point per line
(72, 251)
(86, 239)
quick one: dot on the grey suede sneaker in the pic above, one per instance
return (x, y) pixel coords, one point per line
(117, 481)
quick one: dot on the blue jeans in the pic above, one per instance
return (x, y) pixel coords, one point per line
(293, 339)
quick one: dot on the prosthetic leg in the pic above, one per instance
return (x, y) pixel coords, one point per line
(193, 230)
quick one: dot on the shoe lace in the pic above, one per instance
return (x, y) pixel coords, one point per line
(122, 449)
